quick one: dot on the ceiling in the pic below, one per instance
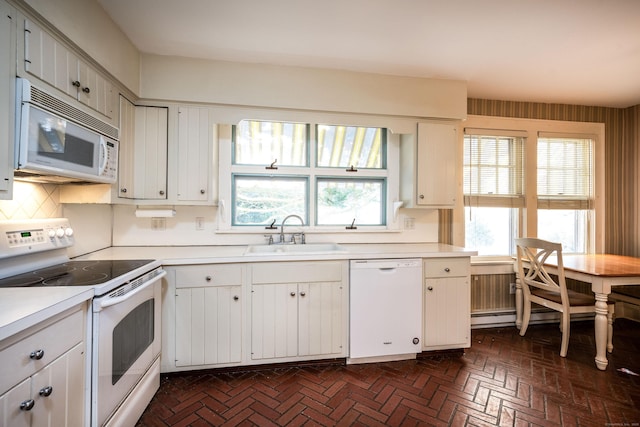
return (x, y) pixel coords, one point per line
(584, 52)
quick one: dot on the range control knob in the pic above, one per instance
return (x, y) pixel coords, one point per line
(60, 233)
(52, 233)
(68, 231)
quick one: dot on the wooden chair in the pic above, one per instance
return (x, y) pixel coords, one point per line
(539, 287)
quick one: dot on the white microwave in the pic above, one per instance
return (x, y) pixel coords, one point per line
(51, 147)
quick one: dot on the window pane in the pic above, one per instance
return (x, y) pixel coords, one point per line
(493, 165)
(340, 201)
(345, 146)
(565, 168)
(490, 231)
(262, 143)
(260, 200)
(568, 227)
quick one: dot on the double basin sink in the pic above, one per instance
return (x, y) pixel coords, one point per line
(293, 249)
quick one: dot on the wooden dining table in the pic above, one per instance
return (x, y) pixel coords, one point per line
(604, 272)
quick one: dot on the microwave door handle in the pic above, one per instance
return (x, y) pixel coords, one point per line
(103, 154)
(117, 300)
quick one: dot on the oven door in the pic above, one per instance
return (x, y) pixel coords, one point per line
(126, 341)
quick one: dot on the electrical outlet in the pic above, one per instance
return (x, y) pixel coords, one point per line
(158, 224)
(409, 223)
(512, 288)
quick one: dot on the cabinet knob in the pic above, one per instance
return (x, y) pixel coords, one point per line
(86, 90)
(202, 191)
(75, 83)
(208, 278)
(236, 297)
(303, 294)
(162, 192)
(293, 294)
(27, 405)
(430, 288)
(37, 354)
(123, 190)
(421, 196)
(447, 269)
(46, 391)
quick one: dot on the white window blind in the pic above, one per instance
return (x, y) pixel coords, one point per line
(565, 172)
(493, 169)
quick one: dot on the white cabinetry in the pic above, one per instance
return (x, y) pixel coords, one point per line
(447, 303)
(196, 137)
(56, 64)
(143, 152)
(7, 97)
(42, 382)
(208, 315)
(429, 166)
(298, 310)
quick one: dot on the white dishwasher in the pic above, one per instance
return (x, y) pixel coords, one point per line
(385, 309)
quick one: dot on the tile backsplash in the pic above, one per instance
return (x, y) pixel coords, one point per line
(31, 200)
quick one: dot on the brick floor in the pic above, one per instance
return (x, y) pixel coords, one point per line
(502, 380)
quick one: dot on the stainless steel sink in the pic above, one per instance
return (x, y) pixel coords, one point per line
(291, 249)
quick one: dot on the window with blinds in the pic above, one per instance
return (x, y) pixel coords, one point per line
(565, 172)
(493, 170)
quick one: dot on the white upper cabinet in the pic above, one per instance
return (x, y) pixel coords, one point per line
(430, 166)
(54, 63)
(197, 135)
(7, 97)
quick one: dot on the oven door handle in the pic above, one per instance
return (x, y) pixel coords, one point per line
(117, 300)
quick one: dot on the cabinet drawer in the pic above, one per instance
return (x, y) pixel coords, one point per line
(296, 272)
(447, 267)
(209, 275)
(53, 341)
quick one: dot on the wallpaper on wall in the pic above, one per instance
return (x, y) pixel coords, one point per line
(31, 201)
(622, 162)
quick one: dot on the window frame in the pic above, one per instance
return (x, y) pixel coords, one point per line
(390, 175)
(528, 217)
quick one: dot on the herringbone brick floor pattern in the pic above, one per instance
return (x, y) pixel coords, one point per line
(502, 380)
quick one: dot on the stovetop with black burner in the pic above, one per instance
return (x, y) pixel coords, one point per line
(74, 273)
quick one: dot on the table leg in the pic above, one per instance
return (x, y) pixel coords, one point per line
(601, 326)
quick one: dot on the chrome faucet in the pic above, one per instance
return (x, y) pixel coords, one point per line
(282, 228)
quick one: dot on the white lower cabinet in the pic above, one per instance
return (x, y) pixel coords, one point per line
(43, 378)
(298, 310)
(208, 303)
(447, 303)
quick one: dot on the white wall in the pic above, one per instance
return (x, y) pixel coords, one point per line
(128, 230)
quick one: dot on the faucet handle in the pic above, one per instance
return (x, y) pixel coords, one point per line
(269, 238)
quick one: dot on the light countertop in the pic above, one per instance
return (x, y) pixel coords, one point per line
(181, 255)
(21, 308)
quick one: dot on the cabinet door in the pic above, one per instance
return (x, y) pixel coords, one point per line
(320, 318)
(7, 97)
(10, 412)
(274, 321)
(94, 91)
(126, 160)
(447, 312)
(208, 325)
(58, 391)
(195, 161)
(436, 169)
(150, 153)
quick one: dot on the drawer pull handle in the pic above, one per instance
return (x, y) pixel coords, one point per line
(447, 269)
(37, 355)
(27, 405)
(236, 297)
(46, 391)
(430, 288)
